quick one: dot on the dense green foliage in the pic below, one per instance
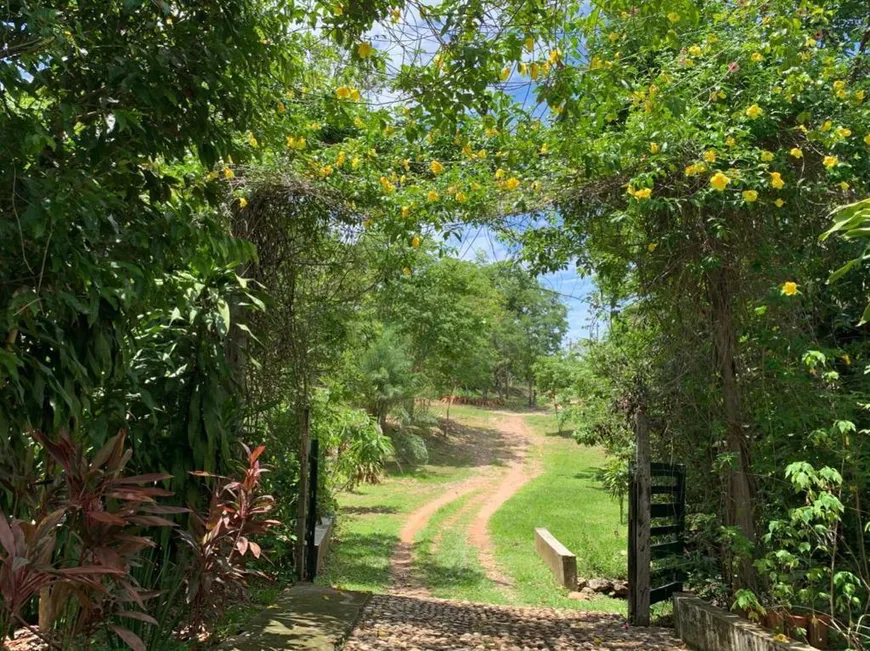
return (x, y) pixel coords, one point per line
(227, 222)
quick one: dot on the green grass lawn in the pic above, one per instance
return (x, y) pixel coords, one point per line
(568, 501)
(371, 517)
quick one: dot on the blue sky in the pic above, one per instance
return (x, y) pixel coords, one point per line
(573, 289)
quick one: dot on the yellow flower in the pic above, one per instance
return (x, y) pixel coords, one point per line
(544, 149)
(776, 181)
(555, 57)
(534, 71)
(481, 154)
(252, 139)
(839, 85)
(796, 152)
(342, 92)
(529, 44)
(358, 122)
(432, 195)
(643, 193)
(291, 142)
(406, 211)
(499, 174)
(780, 637)
(710, 155)
(830, 161)
(859, 96)
(845, 357)
(407, 271)
(228, 173)
(696, 168)
(867, 139)
(695, 51)
(766, 156)
(779, 203)
(415, 242)
(436, 167)
(719, 181)
(243, 203)
(512, 183)
(651, 247)
(340, 159)
(843, 132)
(364, 50)
(674, 17)
(505, 74)
(281, 107)
(354, 95)
(466, 149)
(325, 171)
(826, 126)
(754, 111)
(613, 36)
(338, 10)
(654, 148)
(461, 197)
(395, 15)
(789, 288)
(750, 195)
(354, 162)
(757, 57)
(844, 186)
(387, 185)
(730, 141)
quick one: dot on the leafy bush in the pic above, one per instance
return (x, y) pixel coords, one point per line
(82, 569)
(410, 449)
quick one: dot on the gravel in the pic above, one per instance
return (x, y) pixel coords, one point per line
(423, 624)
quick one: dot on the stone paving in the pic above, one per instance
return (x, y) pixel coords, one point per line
(391, 622)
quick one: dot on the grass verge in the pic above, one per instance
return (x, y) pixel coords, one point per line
(566, 499)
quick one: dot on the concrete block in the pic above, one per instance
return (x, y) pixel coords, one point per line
(560, 559)
(706, 628)
(322, 537)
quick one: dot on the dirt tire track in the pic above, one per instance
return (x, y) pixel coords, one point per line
(518, 474)
(403, 580)
(495, 484)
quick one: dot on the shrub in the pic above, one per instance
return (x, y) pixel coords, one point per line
(223, 538)
(410, 449)
(81, 570)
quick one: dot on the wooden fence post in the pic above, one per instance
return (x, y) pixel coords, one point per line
(639, 525)
(310, 550)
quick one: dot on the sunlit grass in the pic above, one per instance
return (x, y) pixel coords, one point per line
(567, 500)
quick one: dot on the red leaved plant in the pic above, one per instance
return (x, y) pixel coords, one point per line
(222, 539)
(102, 512)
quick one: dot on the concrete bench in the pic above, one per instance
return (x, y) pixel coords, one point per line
(560, 559)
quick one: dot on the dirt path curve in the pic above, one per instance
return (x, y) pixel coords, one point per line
(519, 472)
(495, 481)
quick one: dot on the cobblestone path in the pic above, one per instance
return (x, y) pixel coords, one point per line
(391, 622)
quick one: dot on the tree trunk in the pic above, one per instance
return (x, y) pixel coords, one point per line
(739, 509)
(302, 499)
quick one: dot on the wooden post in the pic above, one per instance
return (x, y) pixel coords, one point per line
(302, 498)
(311, 552)
(639, 525)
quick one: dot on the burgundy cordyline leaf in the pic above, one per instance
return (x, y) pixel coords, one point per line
(106, 518)
(255, 549)
(105, 452)
(256, 453)
(135, 614)
(151, 521)
(7, 539)
(130, 638)
(242, 545)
